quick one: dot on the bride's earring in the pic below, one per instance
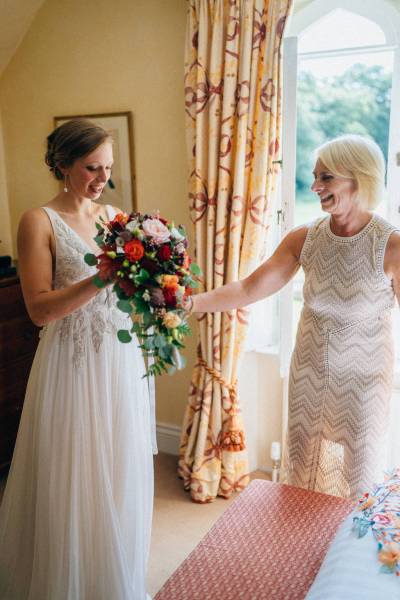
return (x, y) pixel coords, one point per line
(65, 184)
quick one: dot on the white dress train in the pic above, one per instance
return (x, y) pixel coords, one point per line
(76, 514)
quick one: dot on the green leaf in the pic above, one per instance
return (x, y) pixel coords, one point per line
(195, 269)
(90, 259)
(147, 319)
(160, 341)
(125, 306)
(165, 352)
(98, 282)
(141, 306)
(124, 336)
(98, 239)
(119, 293)
(99, 227)
(142, 276)
(149, 343)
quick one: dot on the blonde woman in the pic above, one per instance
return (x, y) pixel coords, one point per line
(342, 364)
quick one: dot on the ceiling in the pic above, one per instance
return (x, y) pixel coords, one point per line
(16, 18)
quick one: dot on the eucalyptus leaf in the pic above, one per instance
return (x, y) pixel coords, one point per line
(98, 282)
(125, 306)
(159, 341)
(195, 269)
(124, 336)
(149, 343)
(90, 259)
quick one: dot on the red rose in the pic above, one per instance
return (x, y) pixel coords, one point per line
(127, 286)
(164, 252)
(134, 250)
(169, 296)
(107, 267)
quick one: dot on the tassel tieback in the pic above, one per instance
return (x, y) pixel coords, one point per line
(233, 439)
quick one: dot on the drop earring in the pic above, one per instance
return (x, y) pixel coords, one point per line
(65, 184)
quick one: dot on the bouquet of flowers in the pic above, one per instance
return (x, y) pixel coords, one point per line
(146, 259)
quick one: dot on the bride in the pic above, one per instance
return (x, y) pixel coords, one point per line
(76, 514)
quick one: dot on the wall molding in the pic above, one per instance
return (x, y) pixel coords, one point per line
(168, 438)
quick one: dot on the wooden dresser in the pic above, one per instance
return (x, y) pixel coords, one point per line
(18, 341)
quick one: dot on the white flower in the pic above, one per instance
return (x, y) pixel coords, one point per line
(180, 248)
(156, 230)
(131, 225)
(146, 296)
(176, 235)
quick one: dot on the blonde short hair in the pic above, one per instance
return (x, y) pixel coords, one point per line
(361, 159)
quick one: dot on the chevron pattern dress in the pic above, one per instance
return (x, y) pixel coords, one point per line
(342, 365)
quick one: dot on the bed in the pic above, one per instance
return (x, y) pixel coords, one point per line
(272, 543)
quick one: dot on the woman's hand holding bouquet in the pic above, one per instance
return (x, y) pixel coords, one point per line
(146, 259)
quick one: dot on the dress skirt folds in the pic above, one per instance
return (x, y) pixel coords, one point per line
(76, 514)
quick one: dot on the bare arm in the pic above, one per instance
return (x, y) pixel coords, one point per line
(269, 278)
(35, 269)
(392, 262)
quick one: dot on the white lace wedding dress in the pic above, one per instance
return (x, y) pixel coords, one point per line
(76, 514)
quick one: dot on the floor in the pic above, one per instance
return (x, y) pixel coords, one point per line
(178, 523)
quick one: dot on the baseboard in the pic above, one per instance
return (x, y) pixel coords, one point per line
(168, 438)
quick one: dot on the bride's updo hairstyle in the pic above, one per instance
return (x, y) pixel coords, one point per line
(361, 159)
(72, 140)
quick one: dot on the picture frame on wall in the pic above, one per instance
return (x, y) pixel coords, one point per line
(120, 189)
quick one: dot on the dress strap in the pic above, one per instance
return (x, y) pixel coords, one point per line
(111, 212)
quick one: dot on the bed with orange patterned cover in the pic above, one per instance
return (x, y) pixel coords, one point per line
(269, 544)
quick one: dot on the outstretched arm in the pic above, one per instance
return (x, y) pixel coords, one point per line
(269, 278)
(35, 269)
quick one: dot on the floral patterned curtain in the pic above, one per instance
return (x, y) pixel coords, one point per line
(233, 112)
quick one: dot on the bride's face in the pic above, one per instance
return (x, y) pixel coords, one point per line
(89, 174)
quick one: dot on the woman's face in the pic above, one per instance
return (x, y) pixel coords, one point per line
(89, 174)
(336, 193)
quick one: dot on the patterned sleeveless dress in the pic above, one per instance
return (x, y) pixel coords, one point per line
(76, 515)
(341, 370)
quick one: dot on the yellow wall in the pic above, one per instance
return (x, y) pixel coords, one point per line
(5, 223)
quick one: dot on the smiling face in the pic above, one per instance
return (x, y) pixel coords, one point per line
(89, 174)
(336, 193)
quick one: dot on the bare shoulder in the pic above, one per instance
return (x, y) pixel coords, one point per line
(294, 240)
(34, 220)
(393, 244)
(392, 253)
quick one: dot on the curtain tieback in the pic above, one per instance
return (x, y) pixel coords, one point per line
(232, 439)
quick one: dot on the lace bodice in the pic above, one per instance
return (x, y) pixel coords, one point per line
(344, 277)
(100, 316)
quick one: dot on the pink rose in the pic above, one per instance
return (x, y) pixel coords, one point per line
(156, 230)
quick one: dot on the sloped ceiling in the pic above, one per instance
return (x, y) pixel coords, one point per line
(16, 17)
